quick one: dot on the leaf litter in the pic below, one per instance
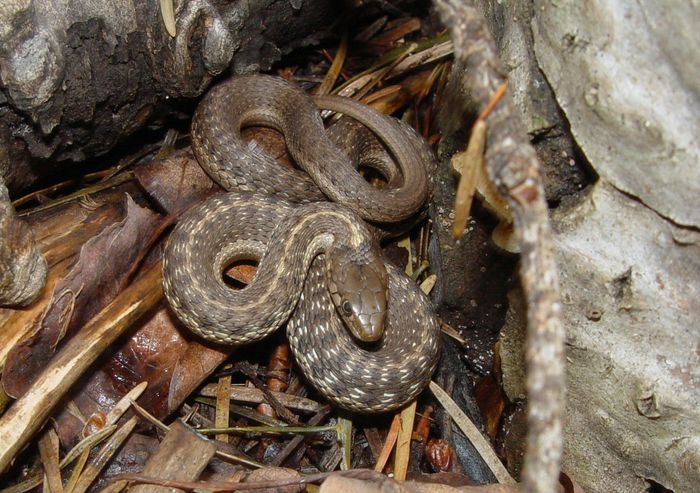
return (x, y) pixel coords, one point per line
(394, 64)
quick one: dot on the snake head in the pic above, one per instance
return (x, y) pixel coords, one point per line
(357, 282)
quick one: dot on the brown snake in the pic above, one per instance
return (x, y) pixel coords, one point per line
(319, 262)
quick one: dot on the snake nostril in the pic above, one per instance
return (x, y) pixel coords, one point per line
(239, 273)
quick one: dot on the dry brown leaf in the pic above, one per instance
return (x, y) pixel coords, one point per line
(491, 401)
(96, 278)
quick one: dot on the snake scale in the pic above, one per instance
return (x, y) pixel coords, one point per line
(360, 330)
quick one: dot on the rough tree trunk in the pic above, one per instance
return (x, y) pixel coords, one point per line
(75, 77)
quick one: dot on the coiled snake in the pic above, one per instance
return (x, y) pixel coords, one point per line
(318, 261)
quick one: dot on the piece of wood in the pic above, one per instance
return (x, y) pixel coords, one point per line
(223, 402)
(182, 456)
(28, 414)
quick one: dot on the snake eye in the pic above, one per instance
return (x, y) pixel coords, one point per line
(347, 307)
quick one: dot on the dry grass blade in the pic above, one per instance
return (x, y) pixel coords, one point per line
(78, 469)
(112, 182)
(388, 444)
(29, 412)
(452, 332)
(107, 451)
(87, 443)
(336, 67)
(344, 428)
(425, 45)
(296, 441)
(433, 54)
(468, 163)
(482, 446)
(411, 25)
(246, 412)
(125, 403)
(239, 459)
(115, 487)
(149, 417)
(379, 75)
(403, 441)
(48, 451)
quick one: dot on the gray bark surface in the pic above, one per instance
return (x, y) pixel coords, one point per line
(76, 77)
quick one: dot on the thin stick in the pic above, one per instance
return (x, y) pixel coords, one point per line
(388, 444)
(268, 429)
(482, 446)
(513, 167)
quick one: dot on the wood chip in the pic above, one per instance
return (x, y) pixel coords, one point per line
(182, 455)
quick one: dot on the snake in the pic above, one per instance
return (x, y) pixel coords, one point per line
(362, 333)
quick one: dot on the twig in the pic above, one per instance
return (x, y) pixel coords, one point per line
(268, 429)
(236, 486)
(281, 411)
(255, 396)
(296, 441)
(513, 167)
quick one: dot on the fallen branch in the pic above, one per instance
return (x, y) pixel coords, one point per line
(513, 167)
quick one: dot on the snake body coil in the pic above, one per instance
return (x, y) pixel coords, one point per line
(319, 262)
